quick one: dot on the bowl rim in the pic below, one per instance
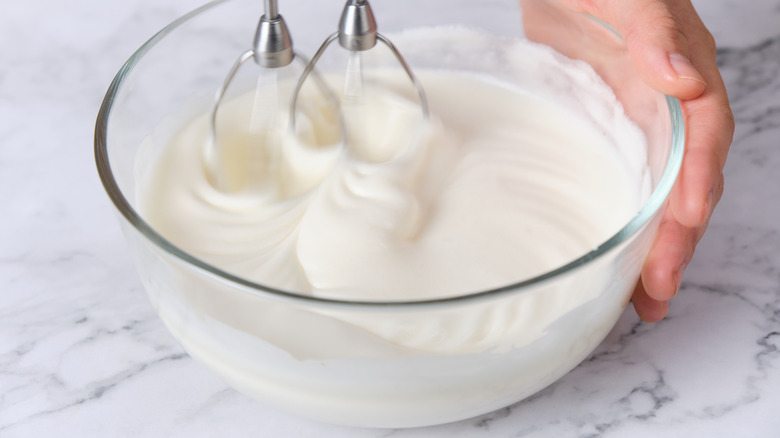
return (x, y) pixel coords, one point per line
(654, 202)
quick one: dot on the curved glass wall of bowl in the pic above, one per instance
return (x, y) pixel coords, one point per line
(233, 324)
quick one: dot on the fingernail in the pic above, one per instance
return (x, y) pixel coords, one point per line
(684, 69)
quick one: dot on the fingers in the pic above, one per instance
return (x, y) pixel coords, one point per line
(676, 55)
(662, 272)
(670, 254)
(709, 126)
(647, 308)
(709, 131)
(656, 40)
(698, 189)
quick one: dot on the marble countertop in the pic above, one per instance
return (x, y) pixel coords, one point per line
(83, 354)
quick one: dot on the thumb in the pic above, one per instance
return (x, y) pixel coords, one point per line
(656, 42)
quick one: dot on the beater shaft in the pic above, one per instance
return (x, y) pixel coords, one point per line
(271, 9)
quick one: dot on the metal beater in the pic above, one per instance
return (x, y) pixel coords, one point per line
(357, 32)
(272, 48)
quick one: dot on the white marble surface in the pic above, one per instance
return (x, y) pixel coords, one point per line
(83, 354)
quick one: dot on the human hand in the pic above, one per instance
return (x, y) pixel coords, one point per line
(675, 54)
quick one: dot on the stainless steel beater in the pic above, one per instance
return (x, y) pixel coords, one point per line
(357, 32)
(272, 48)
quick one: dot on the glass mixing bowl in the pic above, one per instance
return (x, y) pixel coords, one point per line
(316, 356)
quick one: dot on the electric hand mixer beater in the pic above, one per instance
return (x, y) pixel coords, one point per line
(273, 49)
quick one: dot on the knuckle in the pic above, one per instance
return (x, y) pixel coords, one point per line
(729, 121)
(706, 43)
(727, 133)
(653, 22)
(709, 41)
(720, 188)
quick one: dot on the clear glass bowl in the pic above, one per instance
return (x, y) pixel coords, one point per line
(355, 376)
